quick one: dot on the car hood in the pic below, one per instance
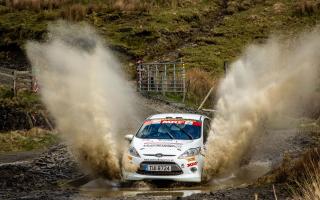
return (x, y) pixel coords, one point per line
(165, 147)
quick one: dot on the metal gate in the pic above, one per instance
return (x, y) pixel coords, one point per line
(165, 77)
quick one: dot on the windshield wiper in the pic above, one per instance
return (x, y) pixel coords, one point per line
(168, 132)
(183, 131)
(171, 136)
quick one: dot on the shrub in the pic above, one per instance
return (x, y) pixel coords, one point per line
(34, 138)
(118, 5)
(306, 7)
(198, 85)
(5, 92)
(94, 7)
(309, 188)
(35, 5)
(74, 12)
(131, 5)
(234, 6)
(146, 5)
(23, 4)
(294, 170)
(4, 9)
(48, 15)
(279, 7)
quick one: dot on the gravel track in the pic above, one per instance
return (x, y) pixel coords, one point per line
(46, 175)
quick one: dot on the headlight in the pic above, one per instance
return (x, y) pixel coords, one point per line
(133, 152)
(190, 152)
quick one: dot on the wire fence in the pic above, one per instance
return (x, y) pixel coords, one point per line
(17, 80)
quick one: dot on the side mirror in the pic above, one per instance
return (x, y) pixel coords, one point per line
(129, 137)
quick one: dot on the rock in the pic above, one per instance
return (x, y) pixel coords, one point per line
(253, 17)
(278, 8)
(232, 7)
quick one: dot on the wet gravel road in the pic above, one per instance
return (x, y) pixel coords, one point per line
(49, 176)
(53, 174)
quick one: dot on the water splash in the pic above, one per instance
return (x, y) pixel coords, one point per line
(271, 79)
(84, 89)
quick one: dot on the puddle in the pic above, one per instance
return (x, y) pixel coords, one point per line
(136, 192)
(105, 188)
(244, 175)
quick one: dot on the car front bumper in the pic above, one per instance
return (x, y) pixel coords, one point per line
(190, 170)
(181, 178)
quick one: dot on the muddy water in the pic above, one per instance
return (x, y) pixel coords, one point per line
(149, 189)
(105, 188)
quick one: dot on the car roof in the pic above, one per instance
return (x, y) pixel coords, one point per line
(177, 115)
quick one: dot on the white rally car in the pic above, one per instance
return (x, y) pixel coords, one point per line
(168, 147)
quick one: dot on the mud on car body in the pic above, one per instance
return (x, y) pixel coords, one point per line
(168, 147)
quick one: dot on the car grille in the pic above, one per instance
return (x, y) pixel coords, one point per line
(175, 169)
(159, 155)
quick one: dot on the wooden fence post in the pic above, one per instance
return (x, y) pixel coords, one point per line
(184, 82)
(225, 67)
(14, 82)
(205, 99)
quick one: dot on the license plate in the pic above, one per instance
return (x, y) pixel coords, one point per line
(160, 168)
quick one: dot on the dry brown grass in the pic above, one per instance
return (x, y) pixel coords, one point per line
(34, 138)
(131, 5)
(117, 5)
(309, 189)
(234, 6)
(95, 7)
(74, 12)
(147, 5)
(312, 106)
(199, 83)
(35, 5)
(294, 170)
(306, 7)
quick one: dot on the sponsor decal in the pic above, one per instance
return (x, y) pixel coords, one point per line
(172, 122)
(162, 160)
(162, 144)
(190, 159)
(196, 123)
(147, 122)
(192, 164)
(166, 121)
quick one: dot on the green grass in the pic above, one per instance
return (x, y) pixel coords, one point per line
(24, 100)
(195, 32)
(23, 140)
(26, 140)
(239, 30)
(152, 34)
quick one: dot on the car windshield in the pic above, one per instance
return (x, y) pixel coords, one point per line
(170, 129)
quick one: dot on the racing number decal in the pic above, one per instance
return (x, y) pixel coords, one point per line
(192, 164)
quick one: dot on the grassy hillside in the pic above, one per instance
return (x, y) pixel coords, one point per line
(26, 140)
(204, 33)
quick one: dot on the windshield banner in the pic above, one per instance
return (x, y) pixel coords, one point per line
(170, 121)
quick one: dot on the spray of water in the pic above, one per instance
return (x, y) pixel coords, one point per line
(83, 88)
(275, 78)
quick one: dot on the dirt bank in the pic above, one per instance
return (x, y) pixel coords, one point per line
(45, 172)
